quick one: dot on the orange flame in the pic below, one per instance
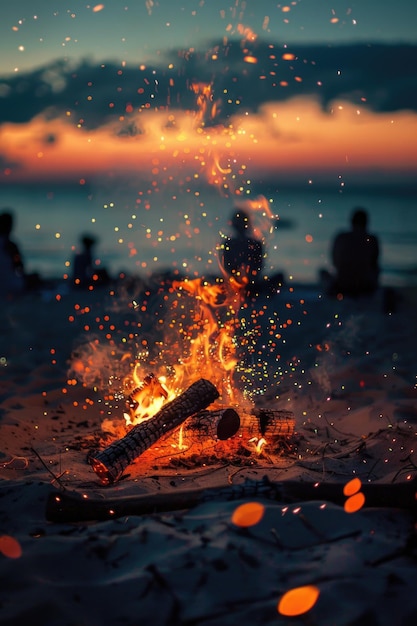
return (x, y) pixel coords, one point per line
(246, 32)
(211, 340)
(260, 445)
(204, 101)
(208, 347)
(262, 208)
(216, 174)
(147, 397)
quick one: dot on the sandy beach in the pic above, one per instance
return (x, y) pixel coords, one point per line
(339, 377)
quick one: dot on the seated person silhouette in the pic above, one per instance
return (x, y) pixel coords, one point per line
(241, 254)
(355, 256)
(12, 277)
(84, 270)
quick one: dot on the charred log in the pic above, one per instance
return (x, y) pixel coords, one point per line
(110, 463)
(219, 424)
(273, 423)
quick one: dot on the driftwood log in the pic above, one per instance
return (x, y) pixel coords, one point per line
(64, 506)
(110, 463)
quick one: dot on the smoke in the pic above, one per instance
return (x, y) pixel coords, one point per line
(344, 340)
(100, 366)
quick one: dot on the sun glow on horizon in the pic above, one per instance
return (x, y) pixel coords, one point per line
(293, 137)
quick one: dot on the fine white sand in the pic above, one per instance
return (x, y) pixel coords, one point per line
(346, 372)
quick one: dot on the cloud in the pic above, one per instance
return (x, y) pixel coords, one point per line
(292, 140)
(381, 77)
(223, 115)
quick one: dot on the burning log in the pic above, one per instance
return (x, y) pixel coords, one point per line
(219, 424)
(73, 507)
(110, 463)
(273, 423)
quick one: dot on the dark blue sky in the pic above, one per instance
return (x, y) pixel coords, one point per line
(57, 58)
(33, 32)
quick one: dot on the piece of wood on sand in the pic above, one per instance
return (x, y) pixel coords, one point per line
(64, 506)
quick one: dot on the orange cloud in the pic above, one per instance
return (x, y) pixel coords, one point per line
(291, 138)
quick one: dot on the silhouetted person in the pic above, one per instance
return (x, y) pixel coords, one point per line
(242, 254)
(84, 270)
(12, 277)
(355, 256)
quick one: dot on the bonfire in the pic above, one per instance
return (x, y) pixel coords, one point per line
(193, 402)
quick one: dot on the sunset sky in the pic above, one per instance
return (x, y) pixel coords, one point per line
(312, 90)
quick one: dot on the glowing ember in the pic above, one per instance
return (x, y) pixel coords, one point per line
(250, 59)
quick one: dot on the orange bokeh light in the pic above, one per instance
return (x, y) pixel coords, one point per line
(352, 487)
(250, 59)
(354, 503)
(248, 514)
(298, 600)
(10, 547)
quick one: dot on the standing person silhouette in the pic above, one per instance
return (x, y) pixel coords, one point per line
(242, 255)
(355, 256)
(85, 272)
(12, 277)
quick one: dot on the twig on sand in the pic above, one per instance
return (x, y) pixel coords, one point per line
(48, 469)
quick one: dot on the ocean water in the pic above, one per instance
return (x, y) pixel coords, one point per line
(140, 232)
